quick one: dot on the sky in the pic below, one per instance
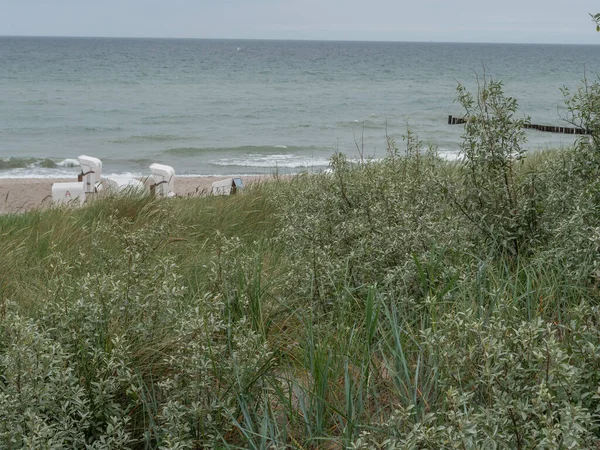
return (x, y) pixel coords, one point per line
(527, 21)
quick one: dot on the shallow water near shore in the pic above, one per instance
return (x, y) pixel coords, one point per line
(217, 107)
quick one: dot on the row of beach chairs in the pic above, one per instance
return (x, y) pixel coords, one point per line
(161, 183)
(90, 181)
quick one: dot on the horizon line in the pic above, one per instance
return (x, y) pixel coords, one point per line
(291, 40)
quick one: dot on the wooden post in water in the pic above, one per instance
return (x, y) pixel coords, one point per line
(530, 126)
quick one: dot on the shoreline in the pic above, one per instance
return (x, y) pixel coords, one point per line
(18, 195)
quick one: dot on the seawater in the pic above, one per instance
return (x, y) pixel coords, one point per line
(217, 107)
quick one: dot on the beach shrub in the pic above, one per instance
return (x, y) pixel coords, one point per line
(501, 202)
(569, 210)
(42, 404)
(501, 383)
(583, 110)
(146, 365)
(362, 223)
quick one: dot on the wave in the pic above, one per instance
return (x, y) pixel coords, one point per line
(168, 119)
(30, 167)
(367, 124)
(25, 163)
(61, 129)
(152, 138)
(13, 162)
(247, 149)
(273, 161)
(68, 163)
(450, 155)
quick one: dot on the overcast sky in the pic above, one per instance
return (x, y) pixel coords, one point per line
(536, 21)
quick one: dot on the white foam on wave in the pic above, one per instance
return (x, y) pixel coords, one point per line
(124, 175)
(449, 156)
(38, 172)
(272, 161)
(69, 162)
(66, 172)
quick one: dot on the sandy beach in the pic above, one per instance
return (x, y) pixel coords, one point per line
(25, 194)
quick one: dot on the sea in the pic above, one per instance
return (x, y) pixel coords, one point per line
(242, 107)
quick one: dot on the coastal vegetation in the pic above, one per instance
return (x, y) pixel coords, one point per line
(410, 302)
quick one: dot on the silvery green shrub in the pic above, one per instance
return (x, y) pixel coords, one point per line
(137, 360)
(362, 223)
(43, 403)
(503, 384)
(499, 200)
(583, 110)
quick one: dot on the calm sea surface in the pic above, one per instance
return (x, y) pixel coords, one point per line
(245, 107)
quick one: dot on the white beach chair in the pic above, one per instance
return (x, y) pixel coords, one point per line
(65, 193)
(91, 176)
(163, 180)
(88, 182)
(126, 185)
(227, 187)
(91, 173)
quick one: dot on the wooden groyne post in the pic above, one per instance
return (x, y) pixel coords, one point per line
(530, 126)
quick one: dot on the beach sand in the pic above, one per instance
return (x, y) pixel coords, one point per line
(25, 194)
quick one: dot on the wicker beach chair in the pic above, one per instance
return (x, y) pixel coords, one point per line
(89, 181)
(162, 180)
(228, 186)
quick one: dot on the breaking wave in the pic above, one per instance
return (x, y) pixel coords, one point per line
(29, 167)
(273, 161)
(247, 149)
